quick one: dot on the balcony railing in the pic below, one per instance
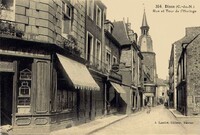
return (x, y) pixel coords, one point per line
(71, 45)
(9, 28)
(97, 64)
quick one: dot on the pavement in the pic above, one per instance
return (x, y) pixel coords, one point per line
(6, 130)
(177, 114)
(93, 126)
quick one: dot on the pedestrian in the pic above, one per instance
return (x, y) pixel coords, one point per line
(149, 107)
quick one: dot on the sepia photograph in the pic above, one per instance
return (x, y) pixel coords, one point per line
(100, 67)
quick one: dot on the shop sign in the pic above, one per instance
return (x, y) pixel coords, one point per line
(6, 66)
(25, 53)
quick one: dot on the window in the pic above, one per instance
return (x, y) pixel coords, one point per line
(115, 60)
(24, 86)
(184, 66)
(90, 8)
(110, 29)
(98, 52)
(145, 79)
(7, 10)
(66, 19)
(67, 10)
(98, 16)
(89, 47)
(66, 100)
(108, 59)
(66, 97)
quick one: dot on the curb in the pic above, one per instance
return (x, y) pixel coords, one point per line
(182, 116)
(100, 128)
(172, 113)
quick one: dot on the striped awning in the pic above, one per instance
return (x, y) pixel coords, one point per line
(78, 74)
(118, 88)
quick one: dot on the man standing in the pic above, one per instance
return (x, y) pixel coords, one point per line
(149, 107)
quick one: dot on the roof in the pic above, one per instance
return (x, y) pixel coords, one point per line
(120, 33)
(191, 33)
(112, 38)
(160, 82)
(186, 39)
(196, 39)
(144, 20)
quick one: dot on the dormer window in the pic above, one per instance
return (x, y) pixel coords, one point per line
(109, 26)
(110, 29)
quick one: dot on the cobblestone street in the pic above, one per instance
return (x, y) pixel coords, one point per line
(159, 121)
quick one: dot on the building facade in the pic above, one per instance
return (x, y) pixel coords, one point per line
(130, 66)
(114, 90)
(149, 62)
(173, 67)
(59, 65)
(188, 74)
(95, 53)
(161, 92)
(42, 57)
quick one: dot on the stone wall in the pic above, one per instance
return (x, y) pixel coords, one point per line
(41, 20)
(150, 62)
(115, 51)
(126, 57)
(193, 76)
(78, 26)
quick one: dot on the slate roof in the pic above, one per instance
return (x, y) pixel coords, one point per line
(161, 82)
(120, 33)
(186, 39)
(144, 20)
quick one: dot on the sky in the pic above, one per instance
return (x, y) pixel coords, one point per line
(167, 20)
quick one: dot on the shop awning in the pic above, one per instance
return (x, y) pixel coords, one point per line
(118, 88)
(78, 74)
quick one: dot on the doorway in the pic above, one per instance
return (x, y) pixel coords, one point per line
(88, 105)
(6, 94)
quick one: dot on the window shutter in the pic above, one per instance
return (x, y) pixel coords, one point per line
(42, 86)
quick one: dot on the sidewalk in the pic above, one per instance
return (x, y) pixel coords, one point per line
(177, 114)
(91, 127)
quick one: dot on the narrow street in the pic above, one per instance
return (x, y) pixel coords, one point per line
(159, 121)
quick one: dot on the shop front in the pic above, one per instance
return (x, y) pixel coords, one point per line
(79, 79)
(42, 91)
(114, 101)
(25, 85)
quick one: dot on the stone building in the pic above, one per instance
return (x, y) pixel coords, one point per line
(114, 90)
(130, 66)
(149, 62)
(173, 64)
(161, 91)
(188, 94)
(59, 65)
(42, 65)
(95, 55)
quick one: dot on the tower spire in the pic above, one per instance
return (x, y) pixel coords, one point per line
(144, 21)
(145, 27)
